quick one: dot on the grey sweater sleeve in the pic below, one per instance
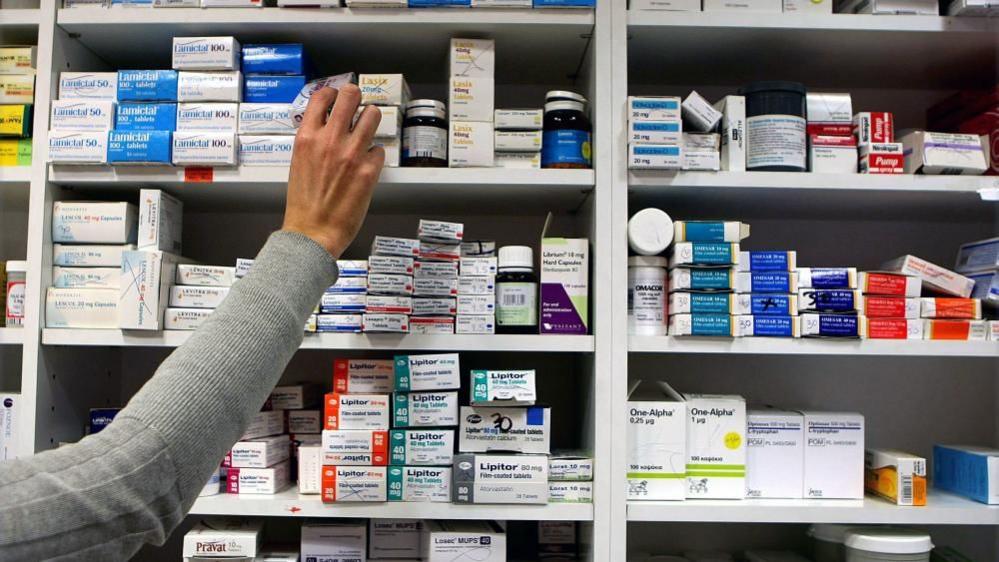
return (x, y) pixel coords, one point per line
(133, 483)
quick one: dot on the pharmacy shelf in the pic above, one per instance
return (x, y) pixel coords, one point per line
(15, 175)
(19, 18)
(804, 346)
(941, 509)
(797, 46)
(459, 189)
(291, 504)
(416, 40)
(983, 186)
(11, 336)
(525, 343)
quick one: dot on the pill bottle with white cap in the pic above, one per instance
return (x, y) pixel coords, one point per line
(650, 232)
(887, 544)
(647, 314)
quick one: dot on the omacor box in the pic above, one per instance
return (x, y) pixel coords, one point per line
(223, 537)
(394, 538)
(356, 411)
(896, 476)
(209, 86)
(205, 53)
(834, 455)
(86, 277)
(354, 484)
(294, 397)
(223, 117)
(259, 453)
(448, 541)
(185, 318)
(425, 409)
(716, 446)
(88, 255)
(570, 468)
(344, 441)
(264, 424)
(570, 492)
(473, 57)
(501, 479)
(427, 372)
(304, 421)
(970, 471)
(419, 484)
(82, 115)
(81, 308)
(525, 430)
(205, 148)
(348, 285)
(775, 447)
(503, 388)
(422, 447)
(78, 147)
(343, 541)
(933, 276)
(362, 376)
(205, 275)
(160, 223)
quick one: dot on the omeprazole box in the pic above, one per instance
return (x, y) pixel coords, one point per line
(354, 484)
(422, 447)
(394, 538)
(360, 376)
(520, 430)
(834, 455)
(425, 409)
(419, 484)
(356, 411)
(500, 479)
(775, 446)
(657, 443)
(427, 372)
(259, 453)
(449, 541)
(503, 388)
(91, 222)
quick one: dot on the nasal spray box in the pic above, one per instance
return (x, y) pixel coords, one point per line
(775, 448)
(716, 446)
(834, 455)
(565, 289)
(657, 442)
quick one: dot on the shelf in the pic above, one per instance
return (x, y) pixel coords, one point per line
(290, 504)
(941, 509)
(413, 41)
(925, 50)
(525, 343)
(805, 346)
(400, 189)
(16, 17)
(11, 336)
(15, 175)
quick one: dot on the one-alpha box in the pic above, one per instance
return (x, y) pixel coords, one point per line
(657, 443)
(500, 479)
(775, 447)
(716, 446)
(834, 455)
(519, 430)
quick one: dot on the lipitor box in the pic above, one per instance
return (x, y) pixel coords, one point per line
(82, 115)
(470, 144)
(160, 221)
(304, 421)
(88, 85)
(264, 424)
(733, 131)
(354, 484)
(91, 222)
(565, 277)
(775, 448)
(529, 430)
(146, 117)
(419, 484)
(147, 85)
(570, 492)
(234, 537)
(209, 86)
(473, 58)
(205, 148)
(716, 446)
(423, 447)
(943, 153)
(205, 275)
(294, 397)
(427, 372)
(337, 542)
(355, 441)
(503, 388)
(425, 409)
(383, 89)
(356, 411)
(394, 538)
(139, 147)
(259, 453)
(663, 108)
(363, 375)
(501, 479)
(81, 308)
(834, 455)
(896, 476)
(570, 468)
(185, 318)
(933, 276)
(78, 147)
(95, 255)
(271, 150)
(265, 119)
(86, 277)
(206, 53)
(210, 116)
(970, 471)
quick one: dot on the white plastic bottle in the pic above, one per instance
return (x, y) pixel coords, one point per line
(647, 314)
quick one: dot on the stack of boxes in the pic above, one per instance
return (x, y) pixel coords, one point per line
(471, 102)
(766, 283)
(979, 261)
(435, 278)
(700, 145)
(570, 478)
(937, 280)
(655, 133)
(875, 134)
(518, 138)
(342, 306)
(971, 112)
(390, 284)
(197, 291)
(890, 306)
(17, 98)
(259, 463)
(830, 303)
(832, 149)
(273, 76)
(390, 93)
(82, 117)
(145, 119)
(476, 295)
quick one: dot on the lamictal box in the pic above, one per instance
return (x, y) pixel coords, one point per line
(147, 85)
(775, 448)
(88, 85)
(205, 53)
(356, 411)
(427, 372)
(273, 150)
(360, 376)
(205, 148)
(716, 446)
(506, 388)
(265, 119)
(354, 484)
(834, 455)
(526, 430)
(222, 117)
(424, 447)
(82, 115)
(139, 147)
(209, 86)
(419, 484)
(425, 409)
(146, 117)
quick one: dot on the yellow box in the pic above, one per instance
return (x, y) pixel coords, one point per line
(15, 152)
(17, 88)
(15, 120)
(18, 60)
(896, 476)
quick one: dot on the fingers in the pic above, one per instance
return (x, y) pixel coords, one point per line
(367, 123)
(343, 110)
(319, 106)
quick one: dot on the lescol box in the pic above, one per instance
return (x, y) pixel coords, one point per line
(205, 275)
(360, 376)
(86, 277)
(425, 409)
(834, 455)
(716, 446)
(354, 484)
(506, 388)
(356, 411)
(419, 484)
(424, 447)
(83, 222)
(145, 288)
(509, 479)
(775, 445)
(520, 430)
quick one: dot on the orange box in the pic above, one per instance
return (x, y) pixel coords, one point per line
(955, 330)
(356, 411)
(952, 308)
(895, 476)
(889, 284)
(891, 328)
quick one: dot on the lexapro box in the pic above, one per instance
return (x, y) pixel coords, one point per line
(519, 430)
(716, 446)
(834, 455)
(500, 479)
(966, 470)
(448, 541)
(775, 449)
(565, 290)
(657, 443)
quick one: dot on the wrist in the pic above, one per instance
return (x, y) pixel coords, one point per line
(328, 241)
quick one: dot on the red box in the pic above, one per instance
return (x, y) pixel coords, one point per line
(830, 129)
(882, 158)
(874, 126)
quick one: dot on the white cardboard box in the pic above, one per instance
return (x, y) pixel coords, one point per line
(834, 455)
(383, 89)
(943, 153)
(222, 117)
(470, 144)
(529, 430)
(265, 119)
(933, 276)
(205, 275)
(716, 446)
(425, 447)
(82, 115)
(88, 255)
(363, 375)
(471, 99)
(206, 53)
(733, 132)
(240, 537)
(394, 538)
(197, 297)
(657, 443)
(259, 453)
(146, 277)
(503, 388)
(161, 221)
(210, 86)
(473, 57)
(81, 308)
(10, 407)
(205, 148)
(346, 540)
(425, 409)
(356, 411)
(752, 6)
(185, 318)
(86, 277)
(78, 147)
(91, 222)
(427, 372)
(354, 484)
(503, 478)
(775, 449)
(88, 85)
(267, 480)
(309, 469)
(448, 541)
(264, 424)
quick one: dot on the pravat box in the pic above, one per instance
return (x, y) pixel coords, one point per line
(424, 447)
(363, 375)
(425, 409)
(657, 443)
(356, 411)
(834, 455)
(354, 484)
(501, 479)
(524, 430)
(775, 446)
(419, 484)
(223, 536)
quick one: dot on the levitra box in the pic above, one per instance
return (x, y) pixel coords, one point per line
(424, 447)
(361, 376)
(506, 479)
(427, 372)
(419, 484)
(205, 275)
(197, 297)
(503, 388)
(354, 484)
(425, 409)
(716, 446)
(834, 455)
(657, 442)
(160, 221)
(775, 447)
(519, 430)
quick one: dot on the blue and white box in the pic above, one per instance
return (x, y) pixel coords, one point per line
(707, 279)
(284, 58)
(147, 85)
(340, 303)
(350, 323)
(657, 108)
(88, 85)
(766, 304)
(768, 261)
(272, 89)
(702, 303)
(978, 256)
(139, 147)
(718, 325)
(205, 148)
(972, 472)
(265, 119)
(827, 277)
(210, 86)
(101, 418)
(357, 285)
(78, 147)
(704, 253)
(830, 325)
(565, 3)
(654, 156)
(205, 53)
(270, 150)
(986, 286)
(222, 117)
(655, 132)
(829, 300)
(82, 115)
(767, 326)
(146, 117)
(783, 282)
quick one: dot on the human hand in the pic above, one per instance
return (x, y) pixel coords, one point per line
(333, 169)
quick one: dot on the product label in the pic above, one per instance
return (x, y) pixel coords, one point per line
(710, 253)
(775, 140)
(888, 328)
(710, 279)
(15, 302)
(830, 278)
(517, 304)
(698, 231)
(710, 325)
(565, 146)
(885, 284)
(425, 409)
(831, 325)
(772, 326)
(423, 141)
(770, 282)
(504, 386)
(647, 302)
(709, 303)
(826, 300)
(413, 484)
(884, 307)
(769, 261)
(766, 305)
(422, 447)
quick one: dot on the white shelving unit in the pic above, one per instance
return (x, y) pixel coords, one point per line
(11, 336)
(804, 346)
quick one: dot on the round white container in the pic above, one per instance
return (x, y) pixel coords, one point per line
(213, 486)
(887, 544)
(647, 315)
(827, 542)
(650, 232)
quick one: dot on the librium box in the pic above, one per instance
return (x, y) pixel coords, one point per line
(419, 484)
(529, 429)
(426, 409)
(422, 447)
(503, 479)
(564, 285)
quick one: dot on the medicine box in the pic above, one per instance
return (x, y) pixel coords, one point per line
(9, 413)
(389, 246)
(259, 453)
(185, 318)
(440, 231)
(146, 117)
(808, 6)
(529, 429)
(431, 325)
(775, 448)
(205, 53)
(210, 86)
(657, 441)
(782, 282)
(653, 109)
(829, 114)
(881, 158)
(147, 85)
(353, 268)
(500, 479)
(354, 484)
(383, 89)
(339, 323)
(82, 115)
(160, 221)
(828, 300)
(348, 285)
(475, 324)
(301, 99)
(425, 409)
(710, 231)
(503, 388)
(419, 484)
(970, 471)
(667, 5)
(470, 144)
(211, 116)
(337, 542)
(477, 266)
(517, 160)
(733, 130)
(767, 326)
(716, 446)
(435, 307)
(978, 256)
(435, 287)
(309, 469)
(682, 278)
(745, 6)
(427, 372)
(389, 323)
(439, 251)
(205, 275)
(770, 260)
(265, 119)
(959, 309)
(834, 455)
(205, 148)
(272, 150)
(447, 541)
(394, 538)
(17, 88)
(436, 269)
(876, 283)
(986, 286)
(241, 537)
(356, 411)
(570, 468)
(654, 157)
(294, 397)
(874, 127)
(896, 476)
(570, 492)
(18, 60)
(16, 152)
(655, 132)
(272, 89)
(376, 304)
(88, 85)
(85, 277)
(355, 441)
(78, 147)
(139, 147)
(360, 376)
(827, 277)
(264, 424)
(830, 325)
(564, 289)
(424, 447)
(697, 113)
(518, 119)
(960, 330)
(943, 153)
(704, 253)
(95, 255)
(100, 418)
(882, 306)
(718, 325)
(283, 58)
(933, 276)
(87, 222)
(81, 308)
(832, 154)
(473, 58)
(338, 303)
